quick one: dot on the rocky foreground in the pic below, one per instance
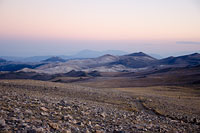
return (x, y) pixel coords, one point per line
(34, 106)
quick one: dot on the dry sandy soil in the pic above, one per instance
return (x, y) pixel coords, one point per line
(42, 106)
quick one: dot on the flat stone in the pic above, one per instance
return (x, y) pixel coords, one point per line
(103, 115)
(66, 131)
(28, 112)
(54, 126)
(99, 131)
(2, 122)
(44, 109)
(44, 113)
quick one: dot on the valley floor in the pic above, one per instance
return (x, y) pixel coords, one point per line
(41, 106)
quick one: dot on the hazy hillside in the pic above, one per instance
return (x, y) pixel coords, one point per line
(26, 59)
(79, 55)
(2, 60)
(92, 54)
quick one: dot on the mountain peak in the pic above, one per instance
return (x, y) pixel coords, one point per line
(194, 54)
(54, 59)
(106, 55)
(138, 54)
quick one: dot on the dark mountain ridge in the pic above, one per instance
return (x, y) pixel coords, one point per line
(191, 59)
(13, 66)
(138, 54)
(54, 59)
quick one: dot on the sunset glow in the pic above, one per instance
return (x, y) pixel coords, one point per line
(104, 20)
(152, 20)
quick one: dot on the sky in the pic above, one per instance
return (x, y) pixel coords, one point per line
(63, 27)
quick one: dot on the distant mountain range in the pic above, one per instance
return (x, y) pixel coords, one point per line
(80, 55)
(25, 59)
(93, 54)
(107, 63)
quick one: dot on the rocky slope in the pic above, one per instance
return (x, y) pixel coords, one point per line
(34, 106)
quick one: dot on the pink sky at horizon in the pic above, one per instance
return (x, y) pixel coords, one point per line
(159, 23)
(105, 20)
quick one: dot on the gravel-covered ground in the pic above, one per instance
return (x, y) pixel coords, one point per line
(36, 106)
